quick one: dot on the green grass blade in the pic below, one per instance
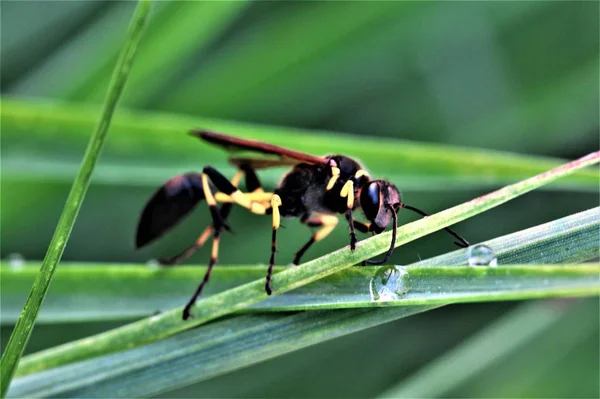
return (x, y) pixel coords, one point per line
(425, 285)
(498, 340)
(80, 291)
(165, 324)
(159, 142)
(22, 331)
(198, 354)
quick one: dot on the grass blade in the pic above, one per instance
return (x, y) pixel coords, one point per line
(80, 291)
(131, 292)
(168, 323)
(196, 355)
(22, 331)
(137, 134)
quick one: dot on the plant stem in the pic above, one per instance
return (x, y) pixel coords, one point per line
(20, 335)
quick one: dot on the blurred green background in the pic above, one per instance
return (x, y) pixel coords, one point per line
(508, 76)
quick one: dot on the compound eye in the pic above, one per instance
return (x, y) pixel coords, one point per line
(369, 200)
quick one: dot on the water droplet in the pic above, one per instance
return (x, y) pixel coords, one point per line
(16, 261)
(154, 318)
(482, 255)
(389, 283)
(153, 264)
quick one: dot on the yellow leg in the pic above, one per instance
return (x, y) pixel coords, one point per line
(275, 204)
(252, 197)
(235, 180)
(210, 199)
(201, 240)
(327, 224)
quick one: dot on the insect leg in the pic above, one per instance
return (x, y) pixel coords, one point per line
(189, 251)
(392, 243)
(326, 223)
(229, 190)
(201, 240)
(348, 192)
(213, 260)
(360, 226)
(275, 204)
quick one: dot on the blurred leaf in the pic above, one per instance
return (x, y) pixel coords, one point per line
(245, 66)
(22, 331)
(566, 105)
(505, 337)
(180, 31)
(46, 30)
(80, 291)
(552, 366)
(165, 324)
(94, 47)
(191, 28)
(159, 143)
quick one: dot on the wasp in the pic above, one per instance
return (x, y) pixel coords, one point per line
(315, 190)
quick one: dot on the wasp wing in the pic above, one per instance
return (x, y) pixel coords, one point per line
(260, 163)
(286, 156)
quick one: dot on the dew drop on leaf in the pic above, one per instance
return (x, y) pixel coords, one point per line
(389, 283)
(16, 261)
(482, 255)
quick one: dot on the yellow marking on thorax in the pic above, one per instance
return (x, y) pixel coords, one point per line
(348, 191)
(335, 174)
(361, 173)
